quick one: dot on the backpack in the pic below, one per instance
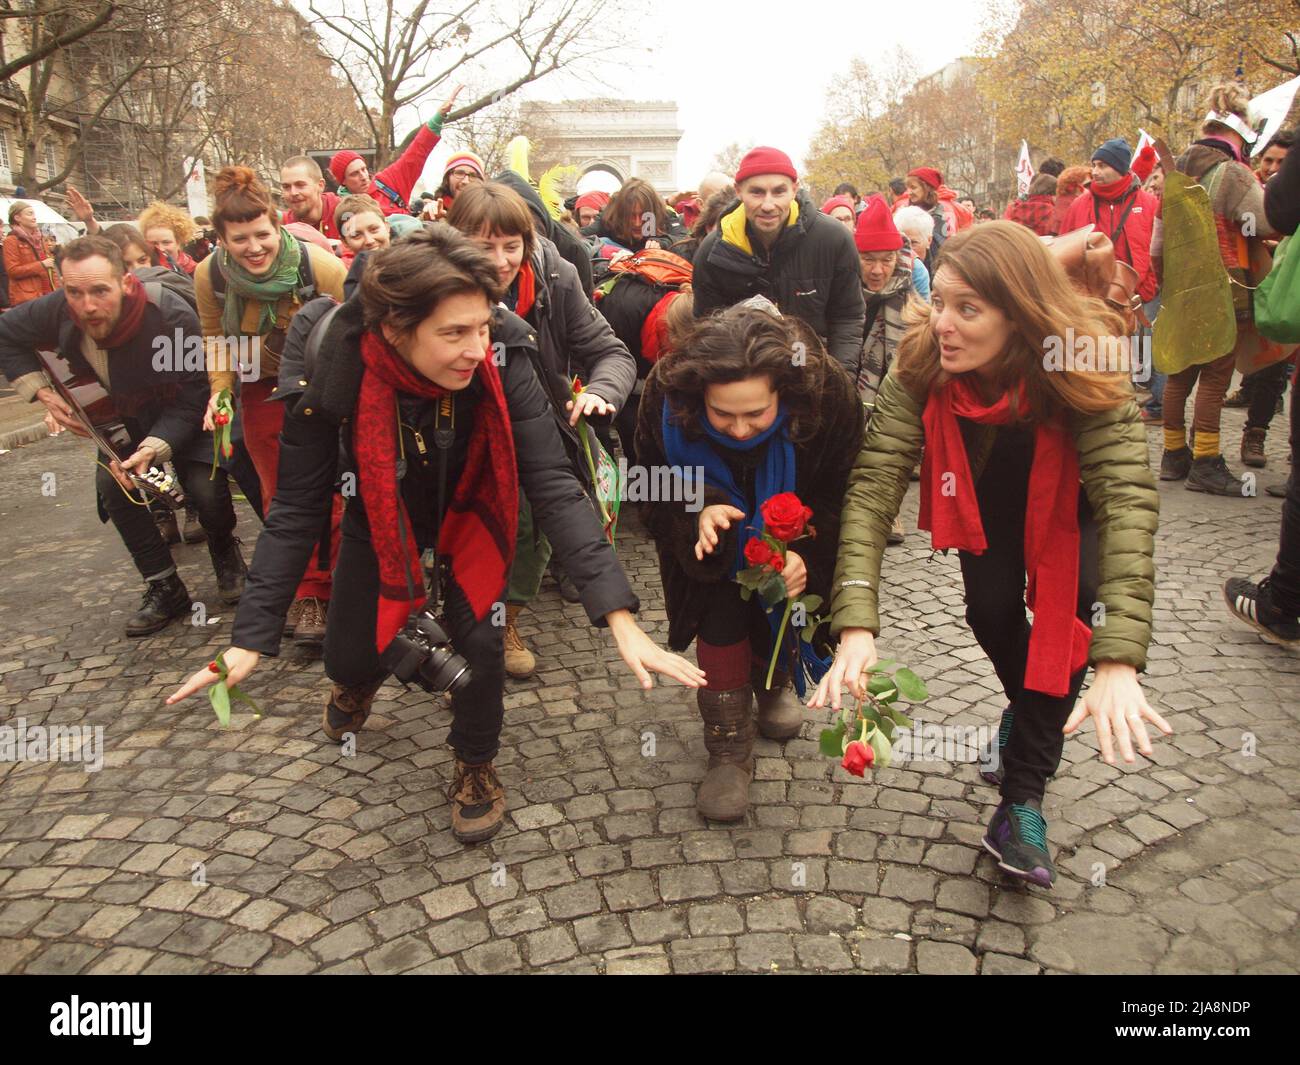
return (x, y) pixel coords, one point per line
(157, 278)
(654, 266)
(304, 291)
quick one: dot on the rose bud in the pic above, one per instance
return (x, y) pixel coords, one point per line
(858, 757)
(213, 668)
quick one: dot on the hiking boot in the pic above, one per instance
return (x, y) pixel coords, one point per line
(347, 709)
(1174, 465)
(896, 531)
(723, 794)
(165, 518)
(228, 564)
(520, 662)
(310, 628)
(1252, 447)
(1253, 603)
(780, 713)
(291, 618)
(568, 590)
(1279, 491)
(1017, 838)
(1213, 476)
(164, 601)
(1237, 399)
(193, 532)
(991, 755)
(478, 802)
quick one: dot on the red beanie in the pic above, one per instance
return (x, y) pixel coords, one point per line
(765, 161)
(343, 159)
(839, 201)
(876, 230)
(928, 174)
(591, 199)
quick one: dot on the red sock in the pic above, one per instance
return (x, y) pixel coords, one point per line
(726, 667)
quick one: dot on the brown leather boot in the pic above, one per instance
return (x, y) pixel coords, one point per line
(780, 714)
(478, 802)
(1252, 447)
(310, 628)
(348, 709)
(520, 662)
(723, 794)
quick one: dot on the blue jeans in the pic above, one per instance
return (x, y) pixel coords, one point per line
(1155, 405)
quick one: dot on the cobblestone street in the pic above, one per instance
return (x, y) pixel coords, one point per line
(315, 861)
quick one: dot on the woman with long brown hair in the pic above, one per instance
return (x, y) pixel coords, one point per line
(751, 400)
(1035, 470)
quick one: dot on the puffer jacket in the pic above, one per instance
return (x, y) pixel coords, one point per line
(811, 272)
(1116, 479)
(28, 278)
(822, 468)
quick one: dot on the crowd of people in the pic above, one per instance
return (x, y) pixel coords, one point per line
(435, 378)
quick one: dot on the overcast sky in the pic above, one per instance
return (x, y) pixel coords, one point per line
(753, 74)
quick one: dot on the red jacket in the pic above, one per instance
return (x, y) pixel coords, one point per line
(28, 278)
(401, 175)
(1036, 212)
(1133, 242)
(329, 203)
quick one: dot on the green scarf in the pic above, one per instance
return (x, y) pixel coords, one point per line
(267, 288)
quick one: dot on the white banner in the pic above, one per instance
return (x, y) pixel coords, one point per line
(1271, 108)
(196, 188)
(1024, 171)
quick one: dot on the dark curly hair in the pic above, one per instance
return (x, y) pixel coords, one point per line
(742, 342)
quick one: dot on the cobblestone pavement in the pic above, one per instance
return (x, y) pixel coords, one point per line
(315, 861)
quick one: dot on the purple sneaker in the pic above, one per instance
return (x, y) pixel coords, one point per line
(1017, 838)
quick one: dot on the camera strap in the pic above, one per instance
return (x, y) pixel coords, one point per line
(444, 436)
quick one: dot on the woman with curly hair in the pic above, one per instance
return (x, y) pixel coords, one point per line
(748, 402)
(1036, 472)
(169, 229)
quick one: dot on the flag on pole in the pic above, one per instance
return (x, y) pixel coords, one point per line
(1144, 156)
(196, 187)
(1024, 171)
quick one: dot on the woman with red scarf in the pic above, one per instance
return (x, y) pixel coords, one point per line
(432, 393)
(28, 257)
(1036, 472)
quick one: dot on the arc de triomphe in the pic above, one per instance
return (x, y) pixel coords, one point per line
(630, 138)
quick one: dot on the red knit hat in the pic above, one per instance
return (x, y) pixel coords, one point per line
(596, 200)
(876, 230)
(839, 201)
(928, 174)
(765, 161)
(343, 159)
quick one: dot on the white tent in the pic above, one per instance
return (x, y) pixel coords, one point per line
(46, 217)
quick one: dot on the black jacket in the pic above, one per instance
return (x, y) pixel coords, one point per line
(570, 245)
(167, 402)
(822, 466)
(811, 272)
(626, 307)
(311, 462)
(1282, 195)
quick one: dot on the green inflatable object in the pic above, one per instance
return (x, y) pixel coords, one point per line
(1196, 323)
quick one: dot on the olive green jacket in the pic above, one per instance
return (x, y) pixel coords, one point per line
(1116, 478)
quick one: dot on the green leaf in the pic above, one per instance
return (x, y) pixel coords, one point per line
(811, 603)
(848, 716)
(911, 686)
(900, 718)
(220, 702)
(773, 590)
(879, 685)
(882, 667)
(239, 696)
(870, 713)
(879, 743)
(887, 727)
(830, 741)
(746, 593)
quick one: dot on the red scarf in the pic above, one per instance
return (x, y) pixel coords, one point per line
(527, 290)
(35, 241)
(654, 331)
(1058, 643)
(1114, 190)
(134, 301)
(478, 530)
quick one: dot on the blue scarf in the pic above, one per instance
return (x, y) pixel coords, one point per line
(774, 475)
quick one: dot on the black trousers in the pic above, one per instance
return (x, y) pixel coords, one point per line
(135, 524)
(995, 611)
(1263, 387)
(1286, 572)
(351, 657)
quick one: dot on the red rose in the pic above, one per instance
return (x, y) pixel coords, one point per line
(785, 516)
(858, 757)
(776, 562)
(758, 553)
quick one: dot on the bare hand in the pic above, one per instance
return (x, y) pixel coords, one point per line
(445, 109)
(48, 263)
(652, 245)
(1117, 707)
(141, 461)
(59, 412)
(718, 516)
(644, 656)
(856, 654)
(208, 423)
(82, 209)
(239, 664)
(795, 575)
(588, 404)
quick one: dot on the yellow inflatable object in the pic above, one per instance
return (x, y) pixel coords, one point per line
(551, 188)
(517, 156)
